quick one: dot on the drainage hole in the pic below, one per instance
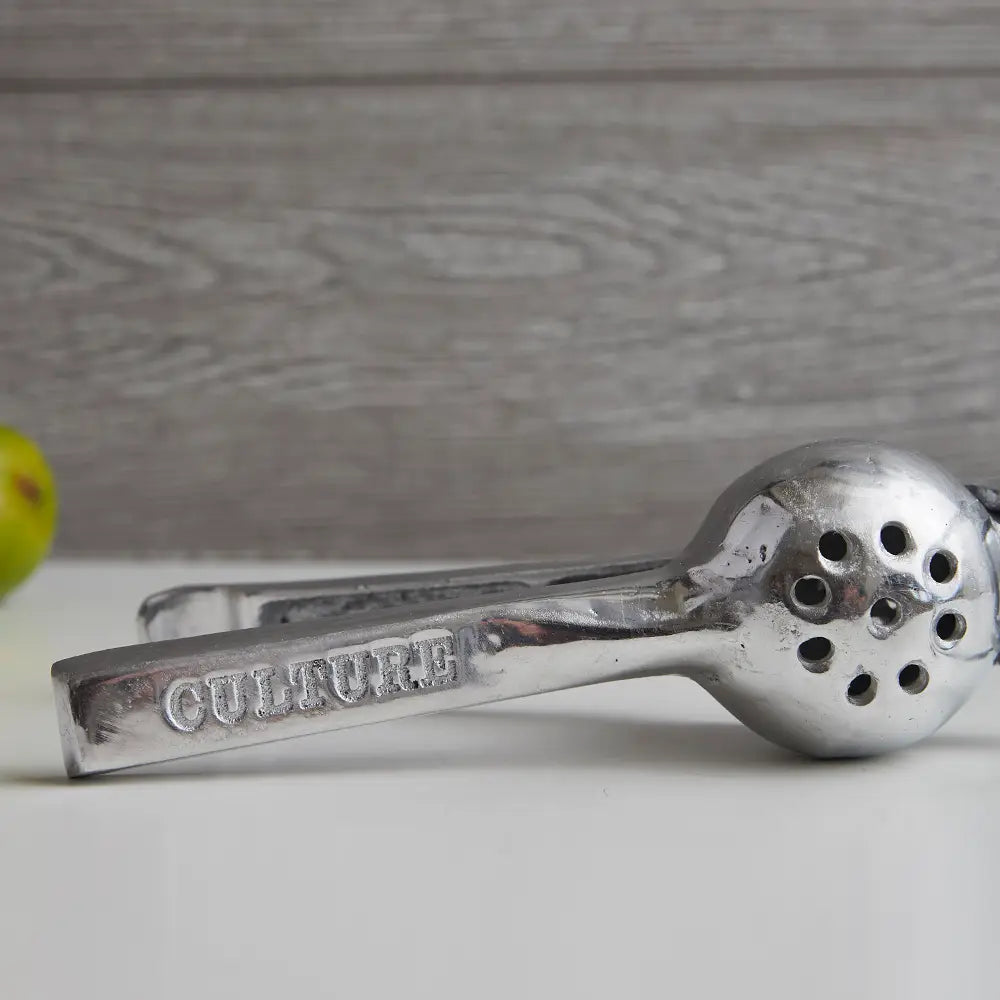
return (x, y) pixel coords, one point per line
(810, 591)
(894, 538)
(815, 654)
(913, 678)
(943, 567)
(833, 546)
(950, 627)
(885, 612)
(861, 690)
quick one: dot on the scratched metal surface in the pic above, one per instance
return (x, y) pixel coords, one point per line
(441, 291)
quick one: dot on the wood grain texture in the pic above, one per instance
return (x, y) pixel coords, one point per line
(486, 321)
(48, 41)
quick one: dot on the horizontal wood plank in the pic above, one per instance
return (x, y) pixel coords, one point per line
(173, 41)
(486, 321)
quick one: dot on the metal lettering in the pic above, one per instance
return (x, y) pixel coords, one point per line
(438, 660)
(268, 708)
(173, 705)
(385, 669)
(228, 715)
(349, 675)
(393, 659)
(310, 674)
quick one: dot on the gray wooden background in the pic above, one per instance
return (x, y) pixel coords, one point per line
(472, 278)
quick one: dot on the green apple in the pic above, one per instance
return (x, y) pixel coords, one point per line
(28, 508)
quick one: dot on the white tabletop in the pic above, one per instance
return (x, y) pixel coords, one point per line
(627, 840)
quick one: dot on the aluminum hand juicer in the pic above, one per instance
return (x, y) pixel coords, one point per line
(840, 599)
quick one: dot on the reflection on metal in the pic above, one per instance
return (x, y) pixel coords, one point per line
(841, 600)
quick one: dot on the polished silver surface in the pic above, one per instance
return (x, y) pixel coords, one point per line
(201, 610)
(841, 600)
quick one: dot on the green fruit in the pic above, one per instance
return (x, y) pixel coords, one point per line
(28, 508)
